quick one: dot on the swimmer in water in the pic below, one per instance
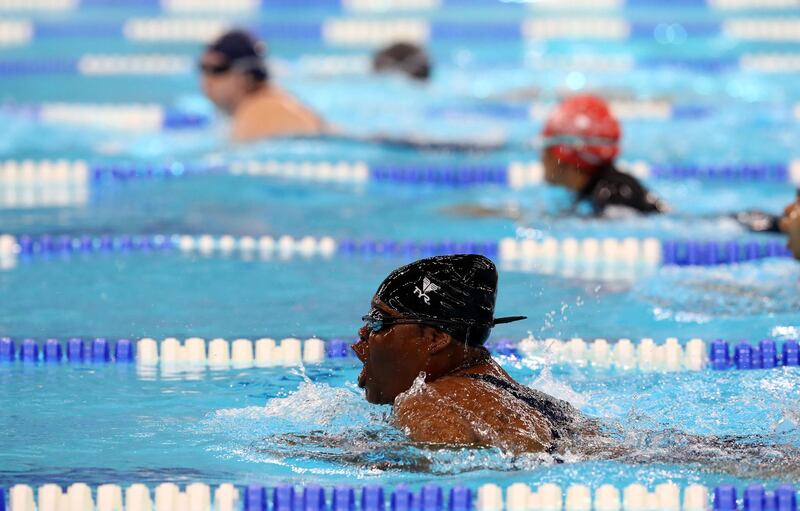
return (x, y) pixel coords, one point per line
(236, 79)
(423, 351)
(404, 58)
(581, 141)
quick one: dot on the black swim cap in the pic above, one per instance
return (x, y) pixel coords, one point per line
(406, 58)
(244, 52)
(459, 289)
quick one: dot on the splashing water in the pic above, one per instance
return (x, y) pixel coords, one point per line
(330, 431)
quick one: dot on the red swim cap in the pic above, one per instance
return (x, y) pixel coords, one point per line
(582, 131)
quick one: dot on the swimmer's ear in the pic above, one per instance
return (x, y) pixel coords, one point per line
(439, 341)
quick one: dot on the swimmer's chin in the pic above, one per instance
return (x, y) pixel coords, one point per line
(376, 398)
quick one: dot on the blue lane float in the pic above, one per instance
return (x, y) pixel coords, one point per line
(73, 350)
(335, 30)
(130, 117)
(742, 355)
(433, 497)
(315, 31)
(712, 253)
(138, 67)
(595, 252)
(671, 356)
(513, 174)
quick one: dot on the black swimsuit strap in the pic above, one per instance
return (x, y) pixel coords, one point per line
(539, 401)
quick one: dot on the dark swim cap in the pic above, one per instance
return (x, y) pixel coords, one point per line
(406, 58)
(243, 52)
(457, 289)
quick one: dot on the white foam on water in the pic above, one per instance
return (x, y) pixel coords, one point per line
(548, 384)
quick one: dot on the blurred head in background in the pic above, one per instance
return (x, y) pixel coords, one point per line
(236, 79)
(232, 67)
(403, 58)
(580, 138)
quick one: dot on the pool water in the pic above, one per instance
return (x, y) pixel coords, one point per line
(101, 423)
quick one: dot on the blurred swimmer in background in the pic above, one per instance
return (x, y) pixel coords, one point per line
(580, 143)
(236, 79)
(402, 58)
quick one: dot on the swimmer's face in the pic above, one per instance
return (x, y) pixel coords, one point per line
(392, 358)
(224, 87)
(790, 224)
(553, 170)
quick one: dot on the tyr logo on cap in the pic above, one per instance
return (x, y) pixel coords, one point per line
(427, 287)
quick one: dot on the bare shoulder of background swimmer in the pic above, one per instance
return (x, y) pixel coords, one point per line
(272, 112)
(461, 410)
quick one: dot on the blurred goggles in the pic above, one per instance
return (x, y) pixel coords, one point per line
(248, 64)
(215, 70)
(577, 141)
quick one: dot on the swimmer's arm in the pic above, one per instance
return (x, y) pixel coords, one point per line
(426, 419)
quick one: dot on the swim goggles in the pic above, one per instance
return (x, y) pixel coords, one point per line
(219, 69)
(247, 64)
(376, 320)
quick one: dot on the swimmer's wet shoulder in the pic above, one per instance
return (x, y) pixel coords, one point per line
(471, 408)
(271, 112)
